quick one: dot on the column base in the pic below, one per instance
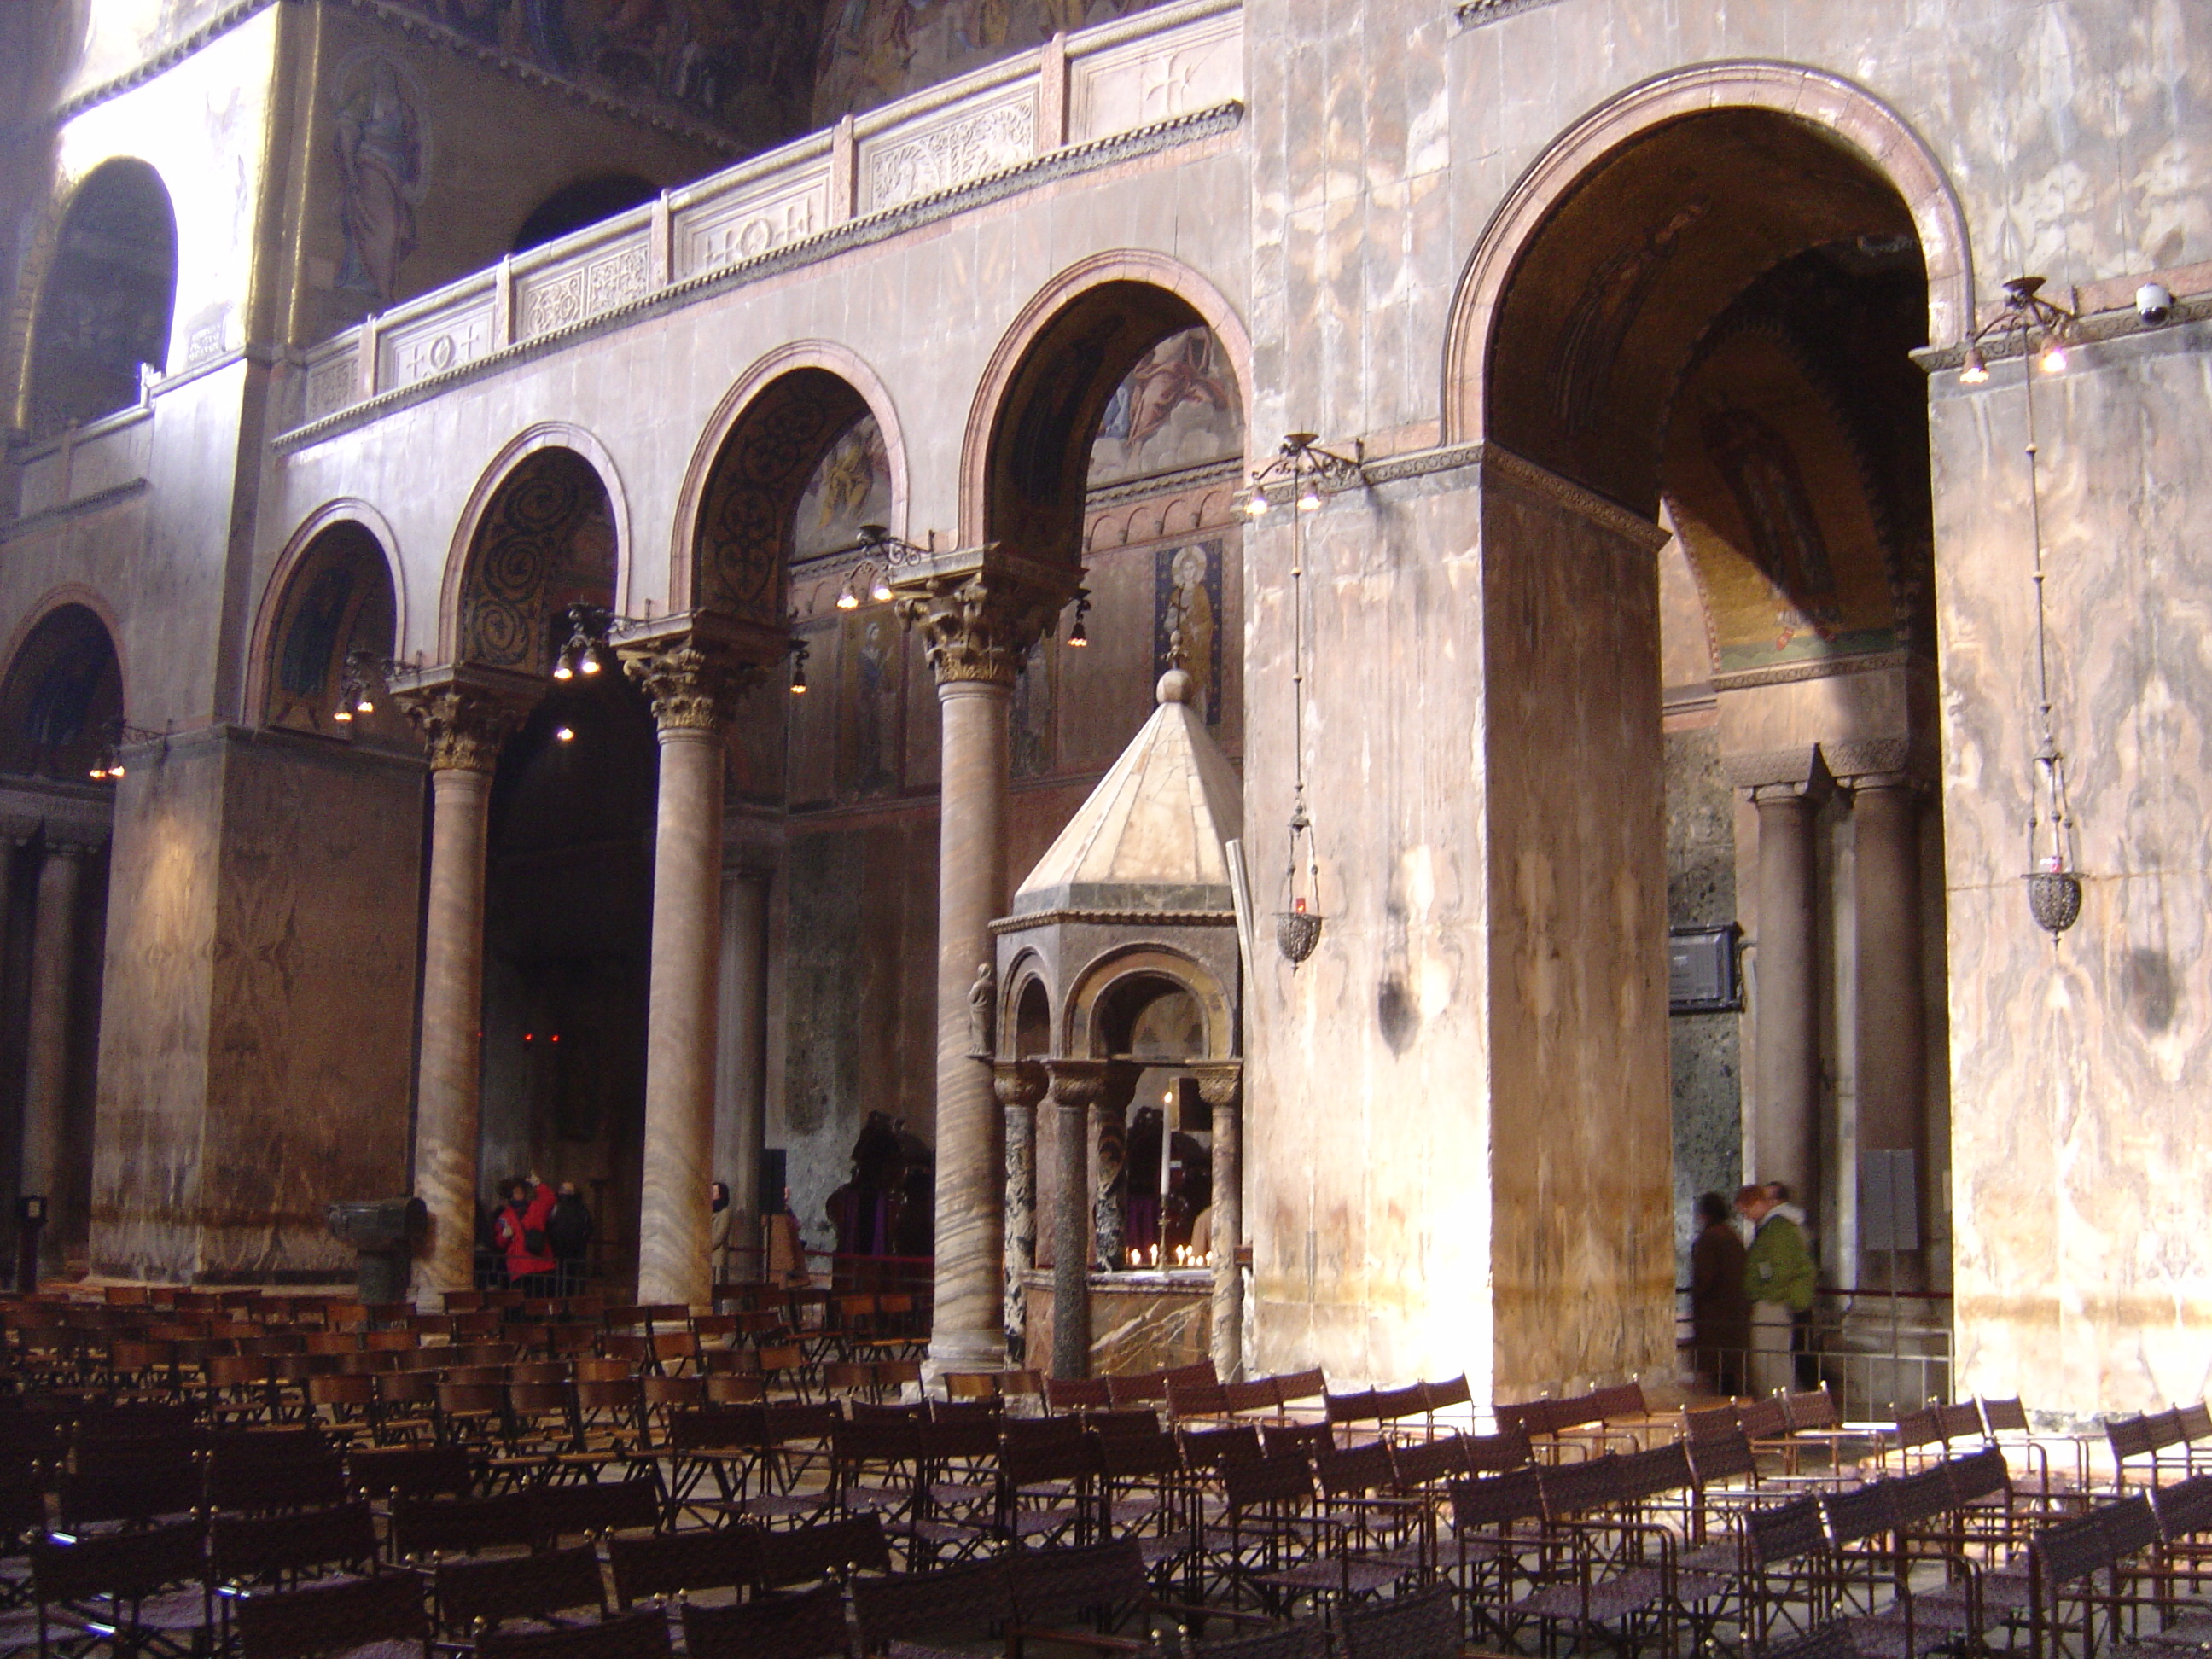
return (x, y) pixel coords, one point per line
(964, 1351)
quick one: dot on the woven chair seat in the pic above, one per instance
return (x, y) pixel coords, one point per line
(1606, 1600)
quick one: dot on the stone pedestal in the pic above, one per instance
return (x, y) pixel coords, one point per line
(45, 1071)
(465, 726)
(692, 685)
(1787, 1123)
(979, 613)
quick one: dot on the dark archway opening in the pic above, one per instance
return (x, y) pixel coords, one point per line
(106, 306)
(337, 605)
(585, 201)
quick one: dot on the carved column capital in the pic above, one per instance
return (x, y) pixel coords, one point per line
(981, 613)
(694, 684)
(1078, 1083)
(1220, 1083)
(463, 725)
(1020, 1082)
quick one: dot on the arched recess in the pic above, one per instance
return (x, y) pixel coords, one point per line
(578, 204)
(1025, 1024)
(1845, 136)
(63, 695)
(334, 593)
(542, 532)
(107, 301)
(1130, 992)
(1025, 459)
(736, 520)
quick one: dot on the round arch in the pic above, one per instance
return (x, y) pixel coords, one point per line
(61, 594)
(1093, 990)
(121, 274)
(1185, 296)
(1880, 138)
(1028, 980)
(343, 510)
(740, 404)
(61, 689)
(546, 435)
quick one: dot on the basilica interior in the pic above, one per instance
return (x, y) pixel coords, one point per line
(1446, 754)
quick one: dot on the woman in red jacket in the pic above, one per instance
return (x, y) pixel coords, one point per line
(521, 1231)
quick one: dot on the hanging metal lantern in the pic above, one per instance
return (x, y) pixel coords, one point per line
(2054, 898)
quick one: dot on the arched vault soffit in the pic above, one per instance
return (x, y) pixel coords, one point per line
(1113, 307)
(547, 434)
(1095, 985)
(1798, 156)
(787, 408)
(346, 510)
(61, 597)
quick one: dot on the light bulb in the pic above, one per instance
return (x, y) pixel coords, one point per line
(342, 714)
(849, 600)
(1078, 636)
(2053, 357)
(364, 706)
(1974, 371)
(589, 663)
(563, 734)
(1256, 504)
(115, 768)
(881, 592)
(1309, 498)
(561, 670)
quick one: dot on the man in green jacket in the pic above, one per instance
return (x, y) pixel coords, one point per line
(1778, 1277)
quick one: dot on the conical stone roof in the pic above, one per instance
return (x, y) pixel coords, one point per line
(1150, 837)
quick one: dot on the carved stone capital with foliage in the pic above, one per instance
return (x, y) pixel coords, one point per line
(692, 688)
(980, 625)
(1220, 1083)
(463, 726)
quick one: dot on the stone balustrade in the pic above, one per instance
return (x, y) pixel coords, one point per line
(1150, 72)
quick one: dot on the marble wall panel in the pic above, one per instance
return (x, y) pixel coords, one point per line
(1704, 1051)
(1138, 1323)
(2078, 1158)
(1581, 1166)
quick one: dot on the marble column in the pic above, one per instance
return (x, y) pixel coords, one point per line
(1078, 1085)
(979, 613)
(692, 688)
(1020, 1084)
(741, 1056)
(465, 728)
(45, 1071)
(1892, 1041)
(1109, 1196)
(1789, 1055)
(1219, 1086)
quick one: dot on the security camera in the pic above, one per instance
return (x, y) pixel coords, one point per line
(2154, 304)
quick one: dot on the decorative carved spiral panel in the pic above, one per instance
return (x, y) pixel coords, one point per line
(547, 543)
(745, 534)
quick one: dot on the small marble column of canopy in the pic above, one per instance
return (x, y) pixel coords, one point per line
(1132, 904)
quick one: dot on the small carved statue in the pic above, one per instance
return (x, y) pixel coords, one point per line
(982, 1009)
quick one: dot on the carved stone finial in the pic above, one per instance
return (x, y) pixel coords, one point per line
(980, 625)
(692, 690)
(463, 726)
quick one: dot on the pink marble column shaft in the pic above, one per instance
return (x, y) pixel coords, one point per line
(1892, 1028)
(450, 1073)
(1789, 1056)
(46, 1075)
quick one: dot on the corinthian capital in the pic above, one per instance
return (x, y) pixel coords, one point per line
(692, 688)
(980, 611)
(463, 723)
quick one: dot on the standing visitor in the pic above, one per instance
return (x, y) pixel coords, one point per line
(521, 1231)
(1777, 1278)
(718, 1237)
(568, 1230)
(1720, 1314)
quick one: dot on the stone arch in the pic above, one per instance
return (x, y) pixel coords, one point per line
(106, 298)
(1100, 992)
(753, 462)
(1025, 1010)
(1849, 115)
(62, 691)
(1024, 460)
(346, 510)
(490, 487)
(335, 592)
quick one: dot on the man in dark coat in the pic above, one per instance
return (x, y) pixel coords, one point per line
(568, 1230)
(1720, 1312)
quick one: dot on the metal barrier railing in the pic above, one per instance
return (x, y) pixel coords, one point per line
(1879, 1353)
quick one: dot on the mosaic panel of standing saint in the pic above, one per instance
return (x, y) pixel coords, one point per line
(1178, 408)
(851, 487)
(382, 147)
(1187, 620)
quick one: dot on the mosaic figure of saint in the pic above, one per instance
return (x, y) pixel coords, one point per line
(1786, 540)
(379, 151)
(1192, 625)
